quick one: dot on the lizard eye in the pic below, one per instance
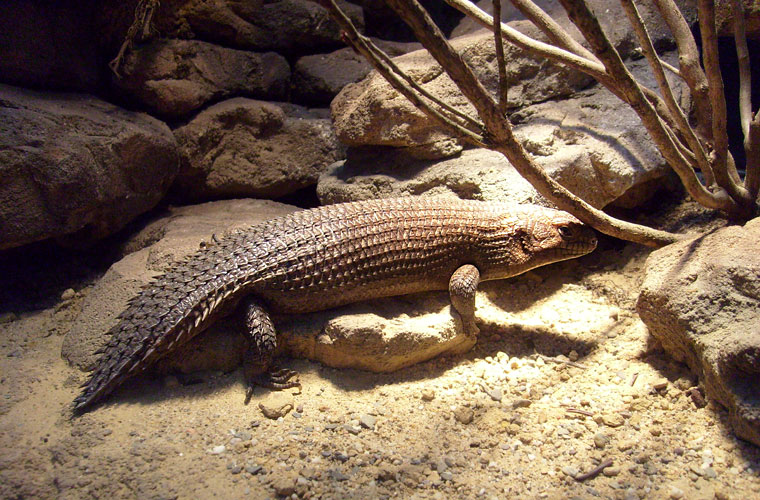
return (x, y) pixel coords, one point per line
(566, 232)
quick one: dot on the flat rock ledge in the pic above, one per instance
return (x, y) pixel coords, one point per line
(700, 299)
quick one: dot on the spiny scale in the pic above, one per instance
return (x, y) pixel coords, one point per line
(329, 256)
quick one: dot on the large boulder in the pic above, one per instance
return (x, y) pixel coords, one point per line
(55, 51)
(72, 164)
(372, 113)
(701, 300)
(242, 147)
(175, 77)
(592, 143)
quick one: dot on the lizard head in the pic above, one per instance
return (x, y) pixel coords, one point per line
(554, 235)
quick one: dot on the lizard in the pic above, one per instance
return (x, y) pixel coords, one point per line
(328, 256)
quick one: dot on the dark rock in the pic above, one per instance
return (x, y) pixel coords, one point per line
(71, 163)
(700, 299)
(241, 147)
(290, 27)
(318, 78)
(175, 77)
(49, 45)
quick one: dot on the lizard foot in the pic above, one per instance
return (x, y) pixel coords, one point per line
(274, 378)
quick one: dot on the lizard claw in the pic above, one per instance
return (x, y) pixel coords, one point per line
(275, 378)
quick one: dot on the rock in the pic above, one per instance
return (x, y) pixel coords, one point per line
(372, 113)
(724, 18)
(284, 482)
(175, 77)
(464, 415)
(700, 299)
(591, 143)
(610, 15)
(72, 164)
(380, 336)
(171, 238)
(246, 148)
(291, 27)
(55, 52)
(318, 78)
(276, 405)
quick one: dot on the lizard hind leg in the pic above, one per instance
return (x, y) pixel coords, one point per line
(257, 361)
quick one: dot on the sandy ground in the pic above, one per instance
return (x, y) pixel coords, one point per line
(523, 415)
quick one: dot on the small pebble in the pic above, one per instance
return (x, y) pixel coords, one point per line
(495, 394)
(570, 471)
(68, 294)
(284, 484)
(218, 450)
(573, 356)
(427, 395)
(660, 384)
(352, 429)
(521, 403)
(253, 469)
(675, 493)
(611, 471)
(613, 419)
(446, 475)
(464, 415)
(601, 440)
(368, 421)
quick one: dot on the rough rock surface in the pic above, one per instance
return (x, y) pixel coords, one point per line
(242, 147)
(71, 163)
(701, 300)
(610, 15)
(153, 250)
(318, 78)
(591, 143)
(175, 77)
(54, 51)
(372, 113)
(285, 26)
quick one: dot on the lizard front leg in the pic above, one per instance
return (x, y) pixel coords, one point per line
(257, 362)
(463, 286)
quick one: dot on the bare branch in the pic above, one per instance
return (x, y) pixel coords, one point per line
(376, 51)
(725, 171)
(502, 138)
(499, 42)
(552, 29)
(745, 76)
(676, 113)
(688, 57)
(593, 68)
(752, 146)
(367, 48)
(588, 25)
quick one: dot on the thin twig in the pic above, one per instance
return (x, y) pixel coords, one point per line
(562, 361)
(752, 146)
(552, 29)
(579, 411)
(634, 378)
(499, 43)
(595, 471)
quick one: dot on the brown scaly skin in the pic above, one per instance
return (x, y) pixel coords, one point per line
(329, 256)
